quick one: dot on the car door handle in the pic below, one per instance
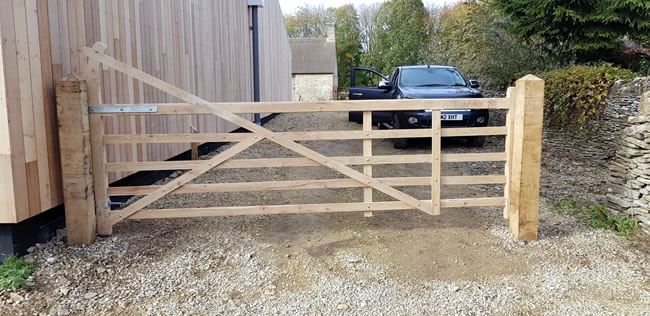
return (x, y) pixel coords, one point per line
(357, 93)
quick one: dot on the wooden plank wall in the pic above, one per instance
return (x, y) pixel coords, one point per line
(200, 45)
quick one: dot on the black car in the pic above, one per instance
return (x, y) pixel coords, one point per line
(418, 82)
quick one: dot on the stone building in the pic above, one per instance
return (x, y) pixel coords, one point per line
(314, 71)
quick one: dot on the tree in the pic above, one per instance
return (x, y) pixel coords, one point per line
(579, 30)
(309, 21)
(474, 38)
(367, 18)
(401, 35)
(348, 42)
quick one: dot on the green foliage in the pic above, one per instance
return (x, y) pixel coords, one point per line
(579, 30)
(14, 271)
(348, 42)
(473, 37)
(565, 205)
(576, 95)
(401, 35)
(596, 216)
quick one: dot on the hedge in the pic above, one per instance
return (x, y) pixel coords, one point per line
(576, 95)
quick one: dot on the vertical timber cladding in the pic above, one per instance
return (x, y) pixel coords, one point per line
(202, 46)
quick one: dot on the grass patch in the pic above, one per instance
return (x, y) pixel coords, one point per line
(14, 272)
(596, 216)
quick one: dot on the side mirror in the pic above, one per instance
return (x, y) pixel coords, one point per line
(474, 84)
(385, 84)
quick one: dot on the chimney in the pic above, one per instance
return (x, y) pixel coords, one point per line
(331, 34)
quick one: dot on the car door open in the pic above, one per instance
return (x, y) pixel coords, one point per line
(369, 84)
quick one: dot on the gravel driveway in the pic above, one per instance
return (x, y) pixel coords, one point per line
(397, 262)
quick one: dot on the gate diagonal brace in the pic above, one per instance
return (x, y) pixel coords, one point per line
(254, 128)
(183, 179)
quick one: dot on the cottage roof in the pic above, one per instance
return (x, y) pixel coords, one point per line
(313, 56)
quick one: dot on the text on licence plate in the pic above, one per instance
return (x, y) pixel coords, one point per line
(451, 117)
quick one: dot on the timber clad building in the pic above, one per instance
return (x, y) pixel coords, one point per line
(203, 46)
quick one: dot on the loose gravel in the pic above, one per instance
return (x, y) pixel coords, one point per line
(398, 262)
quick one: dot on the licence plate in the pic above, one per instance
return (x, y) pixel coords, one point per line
(451, 117)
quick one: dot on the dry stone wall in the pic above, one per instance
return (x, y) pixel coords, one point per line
(629, 180)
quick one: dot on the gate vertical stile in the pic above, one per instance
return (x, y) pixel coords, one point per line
(367, 153)
(436, 140)
(510, 95)
(91, 70)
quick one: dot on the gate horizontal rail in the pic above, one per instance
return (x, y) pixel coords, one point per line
(305, 184)
(308, 106)
(309, 208)
(304, 136)
(302, 162)
(522, 131)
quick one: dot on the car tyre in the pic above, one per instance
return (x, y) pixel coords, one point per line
(353, 117)
(476, 141)
(399, 143)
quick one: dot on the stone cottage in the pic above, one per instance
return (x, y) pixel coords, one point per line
(314, 71)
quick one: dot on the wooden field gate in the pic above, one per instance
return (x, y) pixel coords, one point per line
(85, 167)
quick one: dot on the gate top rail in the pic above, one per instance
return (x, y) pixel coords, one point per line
(297, 107)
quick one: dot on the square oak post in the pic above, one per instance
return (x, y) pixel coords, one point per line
(524, 182)
(74, 140)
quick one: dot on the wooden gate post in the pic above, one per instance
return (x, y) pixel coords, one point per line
(526, 142)
(74, 139)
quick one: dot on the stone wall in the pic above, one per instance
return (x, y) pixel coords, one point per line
(317, 87)
(598, 140)
(629, 180)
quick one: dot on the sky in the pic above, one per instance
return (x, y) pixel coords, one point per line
(289, 6)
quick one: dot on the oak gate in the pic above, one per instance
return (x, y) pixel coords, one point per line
(87, 192)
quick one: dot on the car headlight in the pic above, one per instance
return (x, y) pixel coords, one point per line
(480, 120)
(413, 120)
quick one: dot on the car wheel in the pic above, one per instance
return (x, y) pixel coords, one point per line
(476, 141)
(399, 143)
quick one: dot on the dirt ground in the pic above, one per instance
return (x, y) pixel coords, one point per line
(396, 262)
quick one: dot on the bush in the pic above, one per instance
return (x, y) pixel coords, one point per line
(576, 95)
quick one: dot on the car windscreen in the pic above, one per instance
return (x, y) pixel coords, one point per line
(431, 77)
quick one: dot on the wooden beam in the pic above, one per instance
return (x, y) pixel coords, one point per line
(90, 70)
(367, 153)
(307, 208)
(304, 185)
(524, 184)
(436, 163)
(301, 162)
(510, 95)
(259, 130)
(302, 136)
(322, 106)
(74, 140)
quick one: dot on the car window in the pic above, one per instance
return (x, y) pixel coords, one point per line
(367, 79)
(431, 77)
(393, 76)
